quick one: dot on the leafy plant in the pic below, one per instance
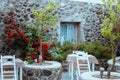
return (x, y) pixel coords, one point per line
(79, 46)
(34, 40)
(67, 48)
(98, 50)
(111, 29)
(45, 19)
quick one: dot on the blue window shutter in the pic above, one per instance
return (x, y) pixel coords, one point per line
(70, 32)
(63, 33)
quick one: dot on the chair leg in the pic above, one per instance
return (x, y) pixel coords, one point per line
(93, 66)
(76, 73)
(21, 73)
(17, 73)
(69, 69)
(72, 71)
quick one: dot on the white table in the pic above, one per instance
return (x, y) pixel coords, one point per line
(72, 60)
(19, 65)
(92, 59)
(117, 63)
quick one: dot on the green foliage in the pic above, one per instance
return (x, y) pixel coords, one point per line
(55, 52)
(111, 29)
(95, 48)
(45, 20)
(62, 51)
(44, 17)
(106, 31)
(111, 23)
(67, 48)
(79, 46)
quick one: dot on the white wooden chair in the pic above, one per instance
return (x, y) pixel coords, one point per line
(83, 64)
(8, 67)
(71, 67)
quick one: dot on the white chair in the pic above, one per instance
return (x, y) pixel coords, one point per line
(8, 67)
(71, 67)
(83, 64)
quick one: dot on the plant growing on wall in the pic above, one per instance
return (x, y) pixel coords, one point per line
(45, 19)
(25, 39)
(33, 40)
(111, 29)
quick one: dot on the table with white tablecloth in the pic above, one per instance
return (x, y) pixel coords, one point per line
(72, 60)
(117, 63)
(92, 59)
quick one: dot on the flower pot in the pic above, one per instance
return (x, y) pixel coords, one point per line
(91, 75)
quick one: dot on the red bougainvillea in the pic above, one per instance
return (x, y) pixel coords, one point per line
(27, 40)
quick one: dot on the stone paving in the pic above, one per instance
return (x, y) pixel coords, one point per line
(65, 76)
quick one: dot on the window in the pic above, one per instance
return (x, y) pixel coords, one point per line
(70, 32)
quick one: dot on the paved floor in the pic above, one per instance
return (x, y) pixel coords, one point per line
(65, 76)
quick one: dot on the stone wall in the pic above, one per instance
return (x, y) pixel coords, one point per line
(89, 15)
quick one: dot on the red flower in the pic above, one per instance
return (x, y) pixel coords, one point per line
(38, 48)
(15, 27)
(47, 30)
(45, 46)
(9, 40)
(43, 55)
(39, 41)
(10, 35)
(26, 39)
(8, 32)
(8, 29)
(21, 33)
(32, 56)
(35, 49)
(35, 43)
(17, 37)
(47, 58)
(23, 42)
(51, 45)
(14, 33)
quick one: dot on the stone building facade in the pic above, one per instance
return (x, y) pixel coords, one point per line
(88, 15)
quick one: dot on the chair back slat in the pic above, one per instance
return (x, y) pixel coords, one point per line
(8, 67)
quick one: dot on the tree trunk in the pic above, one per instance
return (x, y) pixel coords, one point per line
(114, 60)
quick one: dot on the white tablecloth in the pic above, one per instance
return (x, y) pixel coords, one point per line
(117, 63)
(72, 57)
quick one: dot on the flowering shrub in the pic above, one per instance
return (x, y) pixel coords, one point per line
(26, 39)
(34, 40)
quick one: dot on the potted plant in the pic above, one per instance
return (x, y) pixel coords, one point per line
(111, 29)
(45, 19)
(32, 40)
(111, 32)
